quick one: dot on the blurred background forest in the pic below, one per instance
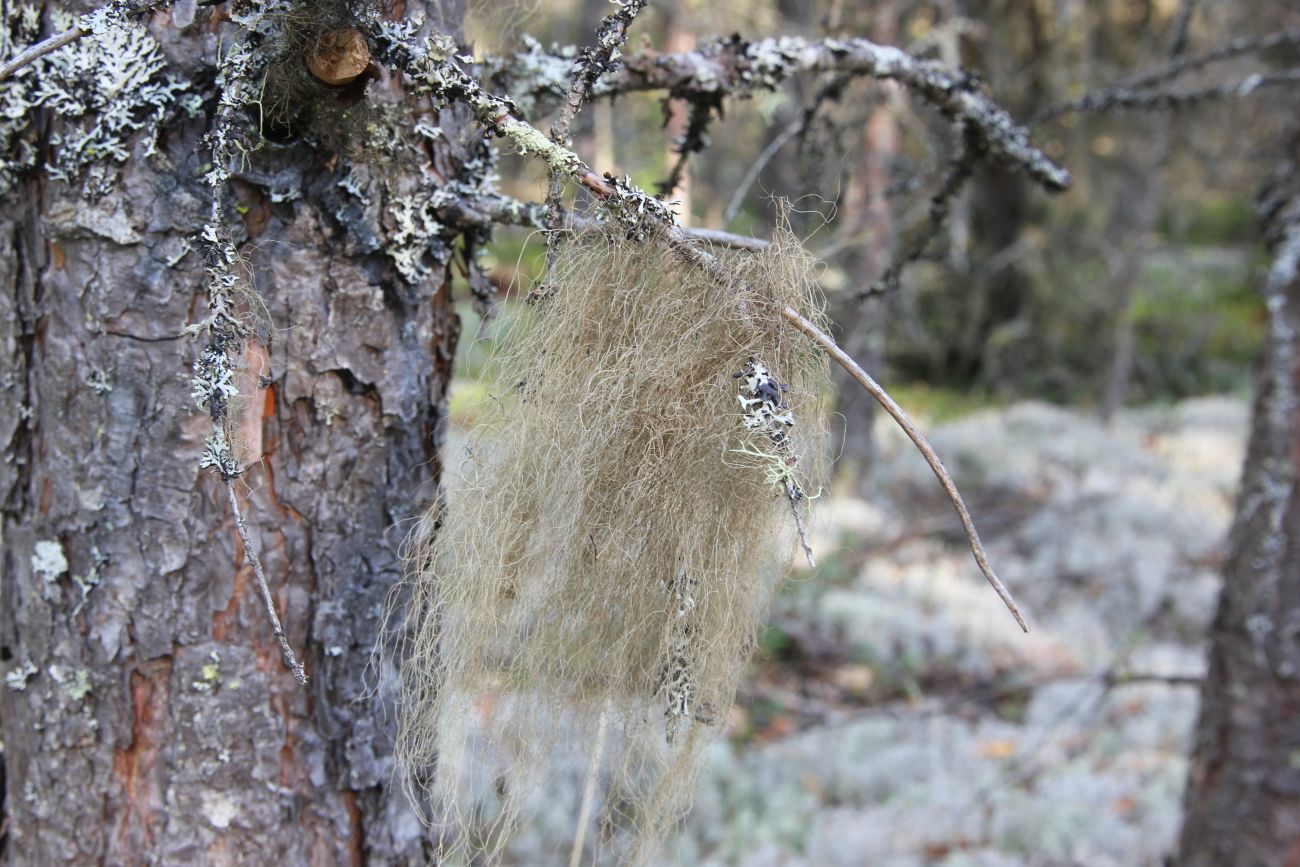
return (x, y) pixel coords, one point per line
(1084, 363)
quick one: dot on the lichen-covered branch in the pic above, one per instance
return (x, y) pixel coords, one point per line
(590, 65)
(434, 68)
(594, 62)
(737, 67)
(213, 380)
(489, 209)
(1123, 99)
(1132, 92)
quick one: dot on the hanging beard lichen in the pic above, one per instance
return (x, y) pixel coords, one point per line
(592, 592)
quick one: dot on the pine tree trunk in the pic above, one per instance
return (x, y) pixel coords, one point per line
(146, 716)
(1243, 799)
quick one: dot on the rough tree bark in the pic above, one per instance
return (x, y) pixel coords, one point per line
(146, 716)
(1243, 798)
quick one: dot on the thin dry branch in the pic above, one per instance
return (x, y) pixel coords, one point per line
(40, 49)
(1125, 99)
(830, 89)
(1180, 63)
(923, 446)
(290, 661)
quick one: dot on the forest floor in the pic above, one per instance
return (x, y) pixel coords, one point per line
(897, 716)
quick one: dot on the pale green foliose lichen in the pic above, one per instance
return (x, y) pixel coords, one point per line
(110, 92)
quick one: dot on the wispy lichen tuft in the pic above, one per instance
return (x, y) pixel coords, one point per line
(606, 559)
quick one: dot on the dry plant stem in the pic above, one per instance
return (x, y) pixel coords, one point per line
(299, 674)
(918, 439)
(40, 49)
(800, 526)
(589, 790)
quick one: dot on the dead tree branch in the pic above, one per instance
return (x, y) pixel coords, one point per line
(736, 67)
(923, 446)
(1143, 92)
(433, 67)
(591, 64)
(483, 211)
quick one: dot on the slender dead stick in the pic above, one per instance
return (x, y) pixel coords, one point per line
(250, 552)
(589, 790)
(846, 361)
(40, 49)
(800, 525)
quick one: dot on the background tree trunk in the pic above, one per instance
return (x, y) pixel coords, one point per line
(1243, 799)
(868, 214)
(146, 716)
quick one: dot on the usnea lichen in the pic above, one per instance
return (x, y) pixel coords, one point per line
(605, 562)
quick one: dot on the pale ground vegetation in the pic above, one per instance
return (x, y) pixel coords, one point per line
(986, 747)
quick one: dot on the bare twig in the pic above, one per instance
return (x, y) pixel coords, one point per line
(800, 525)
(286, 652)
(918, 439)
(755, 168)
(40, 49)
(830, 89)
(1112, 679)
(589, 790)
(1123, 99)
(1180, 63)
(726, 239)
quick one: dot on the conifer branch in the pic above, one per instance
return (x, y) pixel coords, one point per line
(434, 67)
